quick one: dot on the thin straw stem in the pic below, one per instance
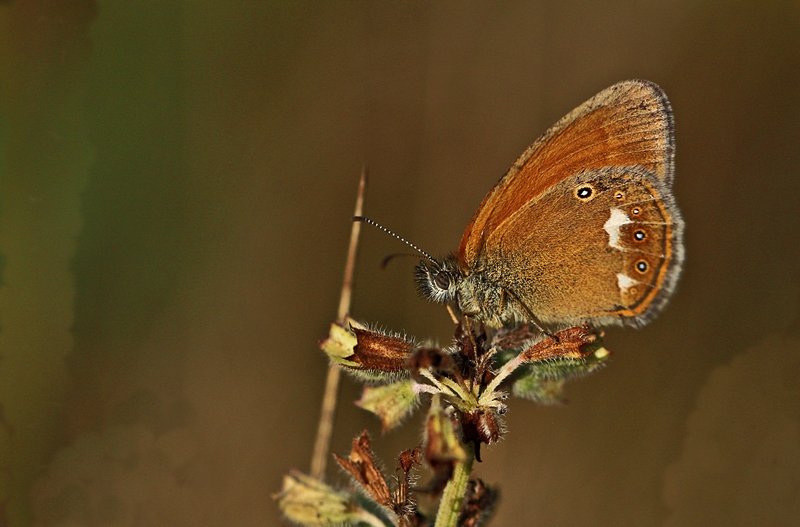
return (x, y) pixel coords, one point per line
(322, 445)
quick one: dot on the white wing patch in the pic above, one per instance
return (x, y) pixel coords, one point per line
(612, 225)
(625, 282)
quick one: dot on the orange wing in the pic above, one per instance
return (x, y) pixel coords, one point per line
(628, 124)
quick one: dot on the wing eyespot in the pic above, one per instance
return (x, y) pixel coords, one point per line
(584, 192)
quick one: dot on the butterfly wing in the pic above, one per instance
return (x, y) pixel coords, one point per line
(627, 124)
(603, 246)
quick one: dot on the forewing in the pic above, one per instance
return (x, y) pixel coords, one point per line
(627, 124)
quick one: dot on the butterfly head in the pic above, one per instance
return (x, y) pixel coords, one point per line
(439, 280)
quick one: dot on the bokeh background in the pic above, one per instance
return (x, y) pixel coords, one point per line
(176, 182)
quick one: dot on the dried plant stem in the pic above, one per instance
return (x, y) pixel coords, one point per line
(319, 459)
(453, 495)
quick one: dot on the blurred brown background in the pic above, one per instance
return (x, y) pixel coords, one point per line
(176, 185)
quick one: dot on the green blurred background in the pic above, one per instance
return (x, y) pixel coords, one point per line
(176, 182)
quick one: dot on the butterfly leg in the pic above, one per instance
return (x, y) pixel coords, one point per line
(531, 316)
(452, 312)
(471, 334)
(544, 331)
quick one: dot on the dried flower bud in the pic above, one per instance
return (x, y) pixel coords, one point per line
(569, 343)
(544, 381)
(381, 352)
(391, 402)
(483, 425)
(443, 450)
(479, 504)
(403, 501)
(515, 337)
(361, 465)
(430, 358)
(408, 459)
(308, 501)
(373, 356)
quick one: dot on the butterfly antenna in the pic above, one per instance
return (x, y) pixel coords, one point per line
(387, 231)
(385, 262)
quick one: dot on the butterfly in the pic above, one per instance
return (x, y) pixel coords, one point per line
(583, 228)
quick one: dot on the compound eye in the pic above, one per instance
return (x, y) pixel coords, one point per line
(442, 280)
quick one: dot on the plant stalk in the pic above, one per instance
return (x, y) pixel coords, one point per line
(453, 496)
